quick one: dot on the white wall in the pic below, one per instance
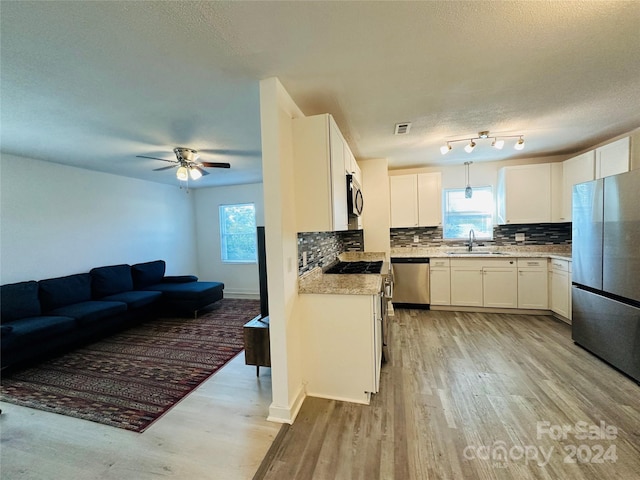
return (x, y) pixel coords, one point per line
(277, 110)
(240, 280)
(57, 220)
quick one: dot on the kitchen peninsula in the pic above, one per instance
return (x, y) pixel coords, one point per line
(343, 330)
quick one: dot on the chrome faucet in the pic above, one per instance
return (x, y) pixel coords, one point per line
(472, 238)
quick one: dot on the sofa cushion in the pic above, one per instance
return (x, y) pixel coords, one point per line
(39, 328)
(187, 291)
(111, 280)
(58, 292)
(180, 279)
(92, 311)
(135, 298)
(148, 273)
(19, 300)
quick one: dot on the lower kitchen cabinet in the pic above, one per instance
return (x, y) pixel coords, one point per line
(500, 285)
(533, 283)
(486, 282)
(560, 288)
(440, 281)
(342, 345)
(466, 283)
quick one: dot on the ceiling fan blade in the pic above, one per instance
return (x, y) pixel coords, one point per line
(164, 168)
(229, 151)
(155, 158)
(216, 164)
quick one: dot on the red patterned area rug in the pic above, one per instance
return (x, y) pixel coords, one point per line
(132, 378)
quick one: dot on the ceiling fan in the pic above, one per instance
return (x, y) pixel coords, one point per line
(188, 164)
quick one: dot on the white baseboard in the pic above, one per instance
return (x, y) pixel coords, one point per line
(244, 295)
(288, 414)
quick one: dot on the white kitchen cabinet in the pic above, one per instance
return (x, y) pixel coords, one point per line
(466, 282)
(342, 346)
(500, 284)
(440, 281)
(524, 194)
(560, 288)
(575, 170)
(430, 199)
(484, 282)
(320, 178)
(403, 190)
(612, 158)
(416, 200)
(556, 192)
(533, 283)
(351, 165)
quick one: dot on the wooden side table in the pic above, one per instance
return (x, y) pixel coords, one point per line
(257, 350)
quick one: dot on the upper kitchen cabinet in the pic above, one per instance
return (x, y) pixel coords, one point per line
(320, 175)
(613, 158)
(416, 200)
(350, 164)
(575, 170)
(524, 194)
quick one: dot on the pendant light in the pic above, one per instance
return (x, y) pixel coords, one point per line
(468, 191)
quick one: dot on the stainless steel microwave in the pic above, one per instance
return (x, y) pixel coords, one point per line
(355, 202)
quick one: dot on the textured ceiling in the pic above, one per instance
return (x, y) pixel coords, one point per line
(93, 84)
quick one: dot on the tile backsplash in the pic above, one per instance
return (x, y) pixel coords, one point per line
(324, 247)
(535, 234)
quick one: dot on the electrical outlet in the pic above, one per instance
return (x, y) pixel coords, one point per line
(416, 239)
(519, 237)
(304, 259)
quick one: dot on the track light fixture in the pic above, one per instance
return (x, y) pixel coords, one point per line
(498, 142)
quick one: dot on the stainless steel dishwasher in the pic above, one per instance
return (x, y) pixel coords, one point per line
(411, 282)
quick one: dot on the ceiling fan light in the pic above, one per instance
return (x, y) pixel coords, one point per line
(182, 174)
(444, 149)
(470, 146)
(520, 144)
(194, 173)
(497, 144)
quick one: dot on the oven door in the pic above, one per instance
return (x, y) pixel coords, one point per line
(355, 201)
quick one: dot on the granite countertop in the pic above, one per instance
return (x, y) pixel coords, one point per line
(318, 282)
(560, 252)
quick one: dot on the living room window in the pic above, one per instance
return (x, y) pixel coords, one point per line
(238, 233)
(462, 214)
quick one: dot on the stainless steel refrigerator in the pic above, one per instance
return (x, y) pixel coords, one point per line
(606, 270)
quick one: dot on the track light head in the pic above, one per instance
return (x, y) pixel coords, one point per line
(497, 144)
(519, 144)
(470, 146)
(444, 149)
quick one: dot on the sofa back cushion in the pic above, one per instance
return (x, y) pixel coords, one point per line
(19, 300)
(149, 273)
(62, 291)
(111, 280)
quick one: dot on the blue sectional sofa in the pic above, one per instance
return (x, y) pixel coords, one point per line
(54, 315)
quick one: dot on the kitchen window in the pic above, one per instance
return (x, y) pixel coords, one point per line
(238, 240)
(462, 214)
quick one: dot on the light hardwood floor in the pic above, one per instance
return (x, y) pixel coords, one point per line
(460, 385)
(219, 431)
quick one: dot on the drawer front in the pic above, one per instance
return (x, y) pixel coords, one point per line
(439, 262)
(559, 265)
(532, 263)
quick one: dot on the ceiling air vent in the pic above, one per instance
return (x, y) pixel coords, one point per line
(402, 128)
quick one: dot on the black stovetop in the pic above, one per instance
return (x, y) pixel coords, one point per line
(356, 267)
